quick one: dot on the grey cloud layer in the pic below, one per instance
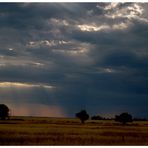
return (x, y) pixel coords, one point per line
(95, 54)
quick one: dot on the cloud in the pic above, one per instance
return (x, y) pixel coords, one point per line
(24, 85)
(89, 55)
(118, 10)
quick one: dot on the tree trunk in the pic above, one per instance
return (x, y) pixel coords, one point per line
(82, 121)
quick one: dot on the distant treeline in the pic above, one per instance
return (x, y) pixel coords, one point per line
(123, 118)
(98, 117)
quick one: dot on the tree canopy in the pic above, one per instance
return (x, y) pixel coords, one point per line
(124, 118)
(4, 111)
(82, 115)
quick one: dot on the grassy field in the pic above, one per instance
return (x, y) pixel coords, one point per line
(62, 131)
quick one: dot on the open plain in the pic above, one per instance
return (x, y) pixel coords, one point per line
(68, 131)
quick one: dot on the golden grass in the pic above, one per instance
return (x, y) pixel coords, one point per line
(60, 131)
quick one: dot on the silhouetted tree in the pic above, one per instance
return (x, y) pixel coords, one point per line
(124, 118)
(82, 115)
(4, 111)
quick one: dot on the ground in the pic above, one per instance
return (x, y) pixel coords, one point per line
(66, 131)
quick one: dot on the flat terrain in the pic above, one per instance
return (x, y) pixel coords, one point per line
(64, 131)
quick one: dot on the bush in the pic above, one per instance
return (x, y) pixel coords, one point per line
(97, 118)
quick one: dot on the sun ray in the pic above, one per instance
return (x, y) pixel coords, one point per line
(23, 85)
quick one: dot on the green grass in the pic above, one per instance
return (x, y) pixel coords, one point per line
(62, 131)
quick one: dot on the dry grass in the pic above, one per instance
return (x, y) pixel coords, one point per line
(59, 131)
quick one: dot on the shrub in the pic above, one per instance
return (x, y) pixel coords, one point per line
(97, 118)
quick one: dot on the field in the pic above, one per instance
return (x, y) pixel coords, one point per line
(66, 131)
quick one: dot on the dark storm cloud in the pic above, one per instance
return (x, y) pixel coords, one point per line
(93, 54)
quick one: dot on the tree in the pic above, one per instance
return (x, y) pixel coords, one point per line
(4, 111)
(82, 115)
(124, 118)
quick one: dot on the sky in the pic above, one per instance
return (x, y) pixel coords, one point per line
(59, 58)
